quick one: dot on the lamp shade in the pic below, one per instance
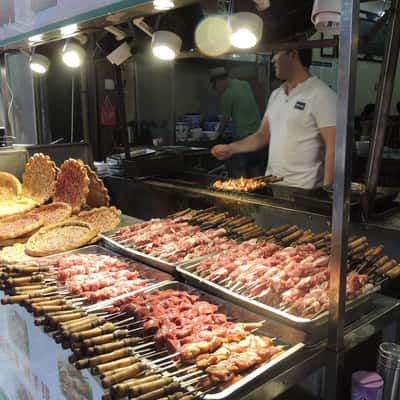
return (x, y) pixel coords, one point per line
(166, 45)
(212, 36)
(246, 29)
(39, 63)
(326, 16)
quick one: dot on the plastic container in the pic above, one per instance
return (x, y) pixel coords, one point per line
(193, 120)
(389, 368)
(366, 385)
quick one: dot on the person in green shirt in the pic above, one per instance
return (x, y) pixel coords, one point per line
(238, 102)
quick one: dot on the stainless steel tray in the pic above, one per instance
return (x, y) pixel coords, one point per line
(287, 336)
(315, 329)
(148, 259)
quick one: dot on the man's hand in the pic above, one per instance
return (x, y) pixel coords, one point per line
(222, 151)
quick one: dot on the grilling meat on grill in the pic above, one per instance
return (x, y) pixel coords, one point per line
(240, 185)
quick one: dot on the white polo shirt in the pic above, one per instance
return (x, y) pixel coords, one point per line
(296, 149)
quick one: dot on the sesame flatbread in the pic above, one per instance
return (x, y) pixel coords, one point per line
(103, 218)
(57, 238)
(53, 213)
(39, 179)
(98, 194)
(18, 206)
(72, 184)
(18, 225)
(10, 187)
(14, 254)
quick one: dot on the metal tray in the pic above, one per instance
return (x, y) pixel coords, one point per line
(146, 258)
(315, 329)
(287, 336)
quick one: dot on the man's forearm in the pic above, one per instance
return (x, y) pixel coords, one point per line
(329, 168)
(252, 143)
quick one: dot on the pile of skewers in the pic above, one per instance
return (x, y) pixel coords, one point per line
(191, 234)
(128, 345)
(93, 277)
(284, 267)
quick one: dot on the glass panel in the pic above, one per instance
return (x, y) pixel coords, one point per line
(22, 108)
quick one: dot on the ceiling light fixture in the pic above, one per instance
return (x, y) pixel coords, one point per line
(36, 38)
(69, 29)
(73, 54)
(212, 36)
(166, 45)
(39, 63)
(163, 4)
(246, 29)
(326, 16)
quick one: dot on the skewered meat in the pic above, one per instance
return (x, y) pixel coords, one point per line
(97, 277)
(174, 240)
(240, 185)
(278, 276)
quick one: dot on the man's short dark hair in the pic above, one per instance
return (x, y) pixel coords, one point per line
(305, 56)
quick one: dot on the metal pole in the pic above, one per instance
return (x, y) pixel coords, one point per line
(84, 104)
(348, 49)
(72, 106)
(386, 83)
(122, 111)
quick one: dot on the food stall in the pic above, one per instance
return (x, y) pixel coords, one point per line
(196, 291)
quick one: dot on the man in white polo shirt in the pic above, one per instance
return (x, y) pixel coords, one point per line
(299, 125)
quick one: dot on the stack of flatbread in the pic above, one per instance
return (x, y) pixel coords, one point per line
(28, 221)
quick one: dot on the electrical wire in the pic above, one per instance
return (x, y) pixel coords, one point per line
(10, 120)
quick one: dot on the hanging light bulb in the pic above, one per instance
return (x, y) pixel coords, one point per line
(212, 36)
(39, 63)
(246, 29)
(166, 45)
(73, 54)
(163, 4)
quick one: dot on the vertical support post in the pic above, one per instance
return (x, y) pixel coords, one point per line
(122, 111)
(348, 50)
(72, 106)
(92, 99)
(84, 104)
(5, 94)
(386, 83)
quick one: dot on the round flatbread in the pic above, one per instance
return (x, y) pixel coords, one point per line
(53, 213)
(72, 184)
(17, 206)
(18, 225)
(98, 194)
(64, 236)
(10, 187)
(103, 218)
(14, 254)
(39, 178)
